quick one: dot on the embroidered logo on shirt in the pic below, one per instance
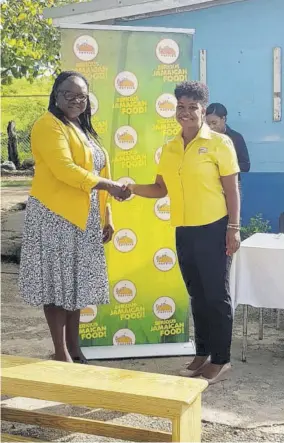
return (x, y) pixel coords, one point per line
(202, 151)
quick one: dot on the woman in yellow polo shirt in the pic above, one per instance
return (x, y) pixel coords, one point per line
(63, 264)
(199, 172)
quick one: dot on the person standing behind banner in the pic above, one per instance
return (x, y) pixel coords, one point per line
(68, 219)
(199, 169)
(216, 117)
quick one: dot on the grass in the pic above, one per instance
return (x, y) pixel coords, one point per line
(23, 102)
(15, 183)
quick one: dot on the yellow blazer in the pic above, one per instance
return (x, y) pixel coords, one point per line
(64, 175)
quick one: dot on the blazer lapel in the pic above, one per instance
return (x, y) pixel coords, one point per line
(88, 163)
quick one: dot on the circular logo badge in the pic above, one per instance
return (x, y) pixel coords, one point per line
(86, 48)
(126, 83)
(166, 105)
(167, 51)
(158, 154)
(162, 209)
(124, 291)
(125, 181)
(125, 138)
(124, 337)
(164, 308)
(165, 259)
(94, 103)
(88, 314)
(125, 240)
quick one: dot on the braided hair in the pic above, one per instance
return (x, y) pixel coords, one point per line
(85, 117)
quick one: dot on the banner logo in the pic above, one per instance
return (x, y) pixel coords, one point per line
(124, 337)
(165, 259)
(124, 291)
(166, 105)
(126, 138)
(88, 314)
(158, 154)
(164, 308)
(125, 240)
(162, 209)
(126, 83)
(86, 48)
(167, 51)
(94, 103)
(125, 181)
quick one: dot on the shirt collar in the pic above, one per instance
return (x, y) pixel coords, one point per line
(204, 132)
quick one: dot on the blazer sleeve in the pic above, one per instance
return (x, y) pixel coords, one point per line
(51, 144)
(242, 153)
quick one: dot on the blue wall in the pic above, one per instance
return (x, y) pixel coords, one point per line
(239, 39)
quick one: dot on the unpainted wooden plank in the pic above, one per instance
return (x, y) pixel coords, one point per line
(277, 84)
(84, 426)
(203, 66)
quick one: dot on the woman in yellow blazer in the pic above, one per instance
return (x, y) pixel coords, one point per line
(63, 264)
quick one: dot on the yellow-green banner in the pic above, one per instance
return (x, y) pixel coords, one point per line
(132, 75)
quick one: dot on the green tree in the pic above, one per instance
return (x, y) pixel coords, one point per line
(30, 44)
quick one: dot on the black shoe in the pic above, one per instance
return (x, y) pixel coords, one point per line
(81, 361)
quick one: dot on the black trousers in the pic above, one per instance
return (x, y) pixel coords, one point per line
(205, 269)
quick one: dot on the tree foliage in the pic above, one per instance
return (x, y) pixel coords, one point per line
(30, 44)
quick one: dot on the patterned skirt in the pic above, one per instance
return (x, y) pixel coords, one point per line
(60, 263)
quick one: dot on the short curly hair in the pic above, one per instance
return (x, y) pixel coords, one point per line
(195, 90)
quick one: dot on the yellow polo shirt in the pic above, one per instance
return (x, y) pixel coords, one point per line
(192, 176)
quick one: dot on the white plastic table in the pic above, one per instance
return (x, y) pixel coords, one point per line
(257, 277)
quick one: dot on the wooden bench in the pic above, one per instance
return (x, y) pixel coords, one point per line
(174, 398)
(7, 437)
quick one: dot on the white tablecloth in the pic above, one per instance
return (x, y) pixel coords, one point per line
(257, 277)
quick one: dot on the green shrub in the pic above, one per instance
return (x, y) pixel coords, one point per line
(255, 225)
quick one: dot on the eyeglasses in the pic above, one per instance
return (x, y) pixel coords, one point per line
(70, 97)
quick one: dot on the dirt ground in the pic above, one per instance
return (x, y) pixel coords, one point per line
(10, 196)
(247, 407)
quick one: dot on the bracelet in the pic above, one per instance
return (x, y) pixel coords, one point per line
(233, 226)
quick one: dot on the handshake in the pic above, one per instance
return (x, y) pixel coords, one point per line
(120, 192)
